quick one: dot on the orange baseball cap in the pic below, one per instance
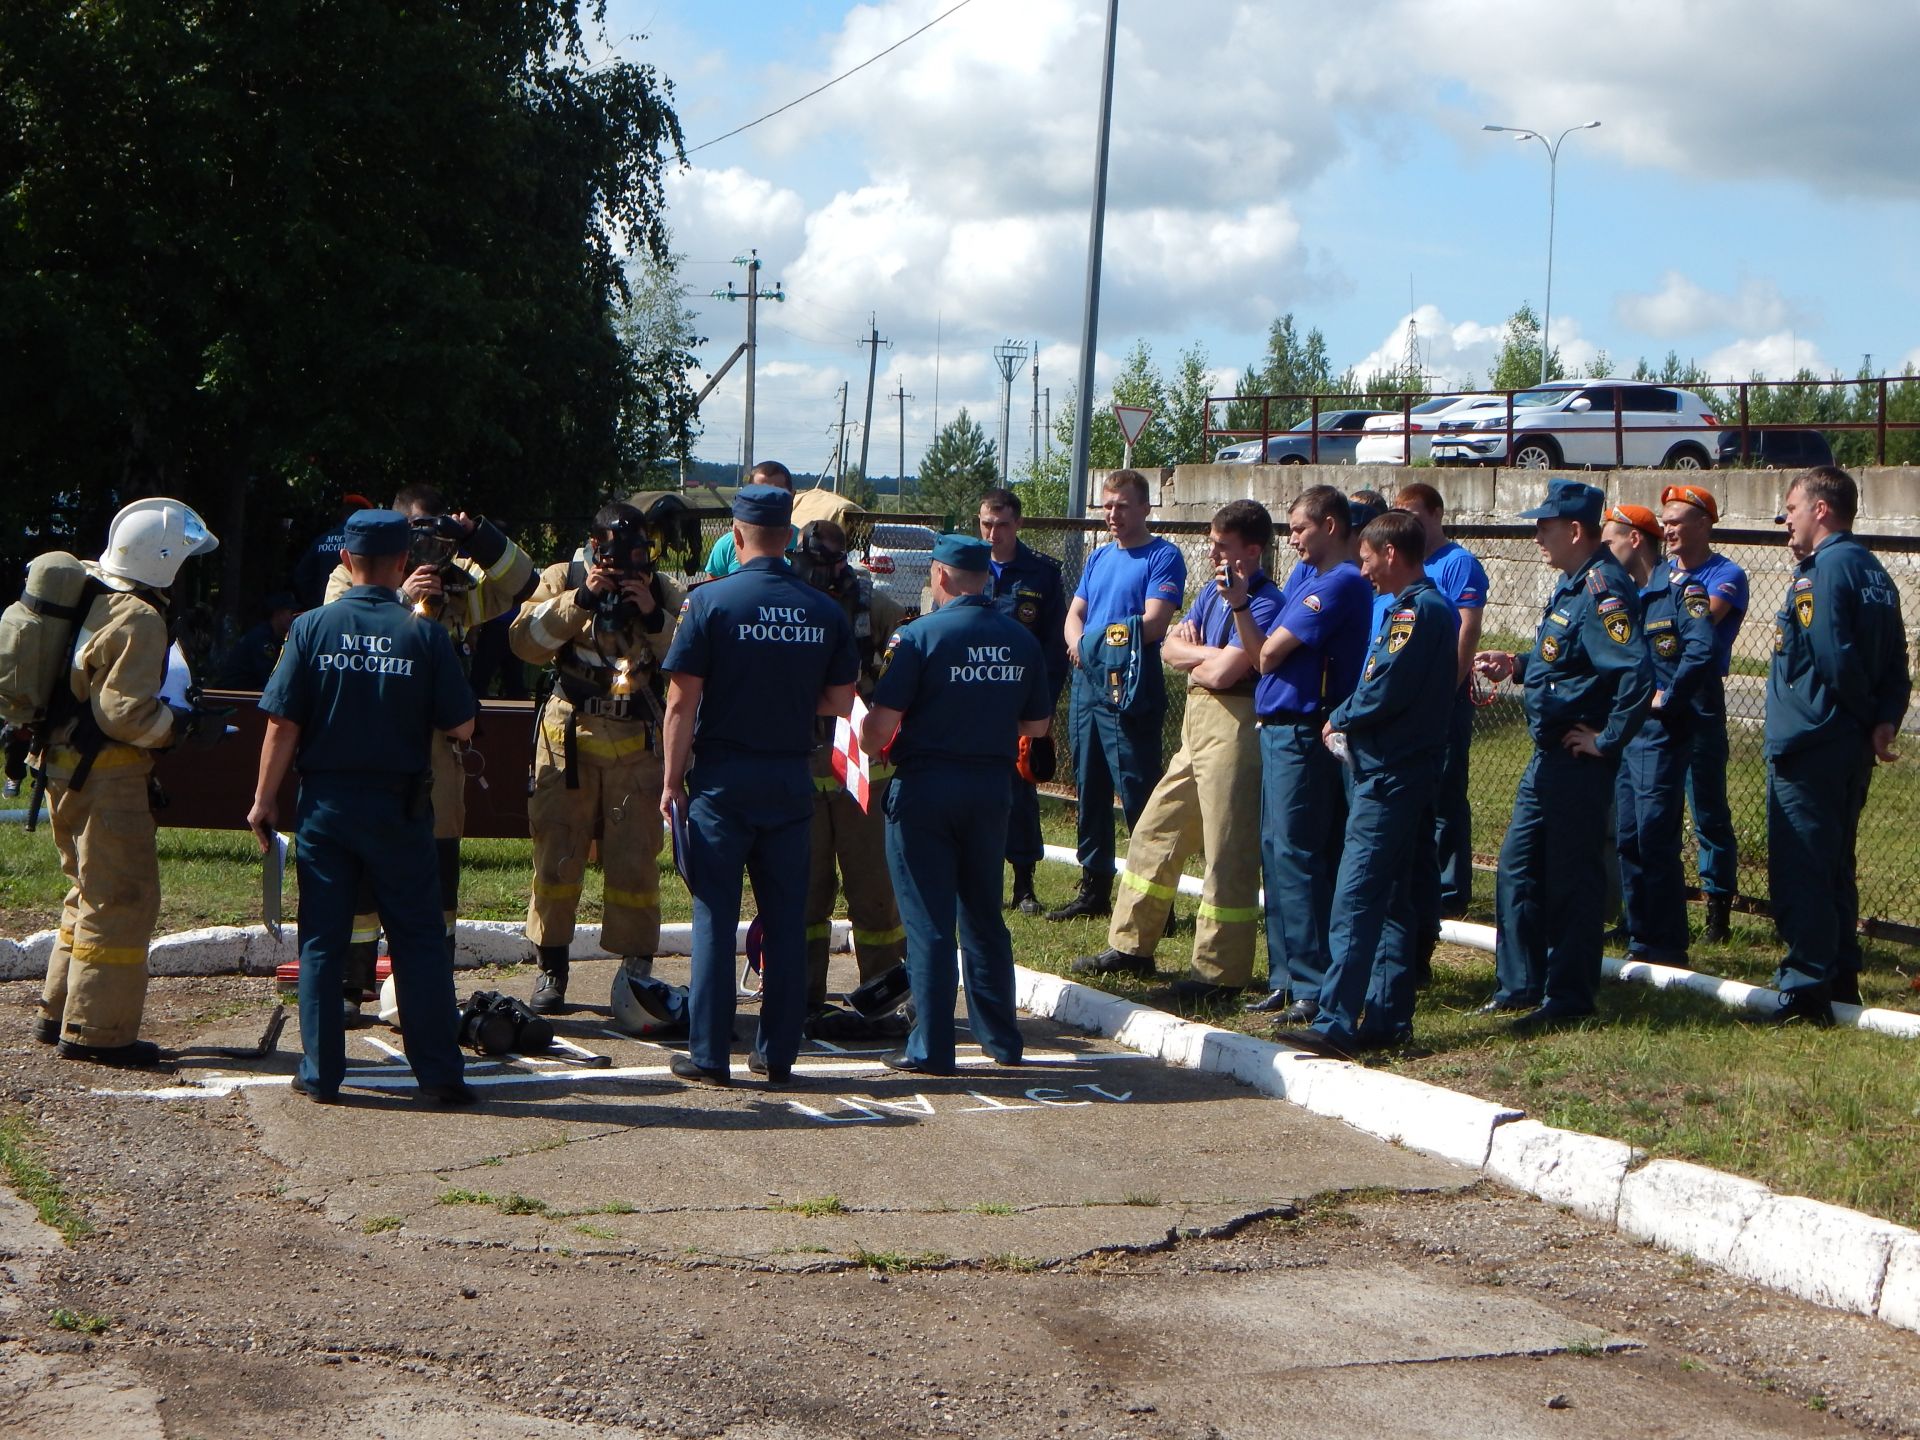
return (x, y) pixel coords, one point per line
(1636, 517)
(1697, 495)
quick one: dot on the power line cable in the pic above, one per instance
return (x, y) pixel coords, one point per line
(834, 81)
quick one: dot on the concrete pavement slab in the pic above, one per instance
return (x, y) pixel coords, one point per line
(1086, 1147)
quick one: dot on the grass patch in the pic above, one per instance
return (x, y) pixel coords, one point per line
(30, 1179)
(1142, 1198)
(895, 1261)
(505, 1204)
(380, 1224)
(465, 1197)
(616, 1207)
(596, 1232)
(1013, 1264)
(990, 1207)
(814, 1207)
(80, 1322)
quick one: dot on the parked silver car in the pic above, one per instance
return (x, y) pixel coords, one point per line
(1339, 434)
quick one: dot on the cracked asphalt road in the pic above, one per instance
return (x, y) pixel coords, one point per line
(1091, 1246)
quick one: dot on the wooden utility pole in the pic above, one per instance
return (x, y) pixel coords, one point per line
(900, 477)
(753, 295)
(874, 341)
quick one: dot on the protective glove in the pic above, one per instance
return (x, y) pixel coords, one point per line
(1037, 759)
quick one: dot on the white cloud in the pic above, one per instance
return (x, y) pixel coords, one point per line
(1778, 356)
(1682, 307)
(1456, 352)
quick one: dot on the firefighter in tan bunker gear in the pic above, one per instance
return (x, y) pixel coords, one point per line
(845, 837)
(97, 762)
(603, 621)
(461, 572)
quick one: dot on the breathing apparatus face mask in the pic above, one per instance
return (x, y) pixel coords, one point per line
(820, 564)
(433, 540)
(626, 549)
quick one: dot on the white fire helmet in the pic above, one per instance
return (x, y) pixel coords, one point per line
(150, 540)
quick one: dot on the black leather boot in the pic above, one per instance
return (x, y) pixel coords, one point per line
(1719, 915)
(1023, 899)
(550, 994)
(1093, 899)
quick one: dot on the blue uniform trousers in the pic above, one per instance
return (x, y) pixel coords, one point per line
(1719, 857)
(1302, 818)
(753, 813)
(943, 838)
(1453, 811)
(1814, 800)
(1024, 845)
(1374, 929)
(1553, 884)
(1112, 752)
(350, 834)
(1649, 823)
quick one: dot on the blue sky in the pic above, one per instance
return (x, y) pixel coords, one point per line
(1749, 201)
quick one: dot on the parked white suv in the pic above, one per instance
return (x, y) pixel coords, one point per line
(1569, 423)
(1380, 442)
(900, 559)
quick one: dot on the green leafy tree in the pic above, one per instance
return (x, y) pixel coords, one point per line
(1293, 365)
(859, 489)
(258, 255)
(961, 462)
(1517, 363)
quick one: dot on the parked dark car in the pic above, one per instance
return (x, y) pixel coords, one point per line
(1339, 437)
(1776, 449)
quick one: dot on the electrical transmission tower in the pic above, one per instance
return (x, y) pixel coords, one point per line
(753, 295)
(1007, 355)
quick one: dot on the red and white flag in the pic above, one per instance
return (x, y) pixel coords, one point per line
(849, 760)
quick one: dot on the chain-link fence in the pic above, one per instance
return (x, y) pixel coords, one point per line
(1519, 583)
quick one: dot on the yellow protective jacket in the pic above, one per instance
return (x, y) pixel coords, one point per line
(553, 628)
(119, 665)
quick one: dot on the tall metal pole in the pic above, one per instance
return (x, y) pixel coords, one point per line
(873, 359)
(1090, 319)
(1034, 462)
(900, 394)
(840, 450)
(1553, 172)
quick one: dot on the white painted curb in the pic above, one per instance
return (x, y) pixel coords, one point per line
(1817, 1252)
(250, 950)
(1734, 994)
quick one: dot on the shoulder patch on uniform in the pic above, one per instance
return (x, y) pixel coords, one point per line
(1550, 648)
(1619, 628)
(1312, 602)
(1696, 599)
(1803, 606)
(1802, 582)
(1611, 603)
(1399, 631)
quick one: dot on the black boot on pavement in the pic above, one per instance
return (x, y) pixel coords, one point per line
(550, 992)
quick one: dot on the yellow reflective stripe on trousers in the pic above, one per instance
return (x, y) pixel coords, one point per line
(820, 932)
(359, 936)
(551, 891)
(63, 760)
(827, 784)
(1232, 914)
(1146, 886)
(880, 937)
(631, 899)
(606, 749)
(109, 954)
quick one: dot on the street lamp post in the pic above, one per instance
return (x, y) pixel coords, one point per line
(1553, 166)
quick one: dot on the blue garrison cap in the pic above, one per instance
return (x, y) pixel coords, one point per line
(763, 505)
(1360, 513)
(963, 552)
(376, 532)
(1569, 500)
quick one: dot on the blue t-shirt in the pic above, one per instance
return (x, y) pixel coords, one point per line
(766, 643)
(368, 682)
(1118, 583)
(1210, 616)
(1726, 581)
(1459, 576)
(964, 678)
(1330, 613)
